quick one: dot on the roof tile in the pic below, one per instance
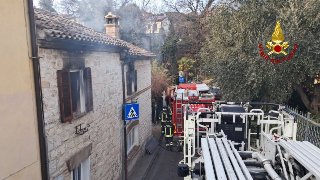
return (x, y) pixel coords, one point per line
(55, 25)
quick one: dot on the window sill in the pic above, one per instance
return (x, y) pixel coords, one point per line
(133, 153)
(131, 95)
(78, 116)
(137, 93)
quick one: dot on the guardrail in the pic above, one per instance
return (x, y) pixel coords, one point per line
(308, 130)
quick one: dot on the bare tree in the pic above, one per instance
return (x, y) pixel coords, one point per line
(145, 3)
(47, 5)
(191, 22)
(88, 12)
(195, 7)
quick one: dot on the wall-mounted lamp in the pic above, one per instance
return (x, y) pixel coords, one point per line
(81, 130)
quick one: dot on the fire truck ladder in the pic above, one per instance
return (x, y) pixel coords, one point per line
(179, 113)
(277, 156)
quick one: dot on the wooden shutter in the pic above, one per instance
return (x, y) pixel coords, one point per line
(65, 95)
(88, 77)
(135, 81)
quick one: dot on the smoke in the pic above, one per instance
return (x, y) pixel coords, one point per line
(133, 18)
(91, 13)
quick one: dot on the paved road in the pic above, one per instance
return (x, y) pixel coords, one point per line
(165, 165)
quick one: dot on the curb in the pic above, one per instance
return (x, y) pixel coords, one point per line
(153, 159)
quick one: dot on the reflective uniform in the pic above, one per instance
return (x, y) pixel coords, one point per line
(168, 129)
(170, 112)
(163, 118)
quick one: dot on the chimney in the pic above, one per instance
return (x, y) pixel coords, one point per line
(112, 25)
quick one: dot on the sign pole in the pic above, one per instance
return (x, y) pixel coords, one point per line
(124, 139)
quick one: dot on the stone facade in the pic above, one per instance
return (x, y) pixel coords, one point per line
(112, 30)
(105, 131)
(143, 97)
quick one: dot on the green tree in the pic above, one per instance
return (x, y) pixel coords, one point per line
(231, 51)
(185, 64)
(47, 5)
(169, 50)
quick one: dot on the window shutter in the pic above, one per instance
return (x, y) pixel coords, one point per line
(135, 81)
(87, 72)
(129, 84)
(65, 95)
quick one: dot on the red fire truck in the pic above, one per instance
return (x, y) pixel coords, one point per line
(183, 94)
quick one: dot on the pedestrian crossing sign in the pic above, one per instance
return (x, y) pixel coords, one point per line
(181, 79)
(130, 111)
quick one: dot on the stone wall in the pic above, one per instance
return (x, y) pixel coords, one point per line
(143, 97)
(105, 120)
(112, 30)
(144, 82)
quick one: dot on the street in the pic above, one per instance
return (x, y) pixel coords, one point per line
(165, 164)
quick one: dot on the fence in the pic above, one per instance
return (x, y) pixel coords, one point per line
(308, 130)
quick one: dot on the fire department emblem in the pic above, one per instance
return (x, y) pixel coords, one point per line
(277, 38)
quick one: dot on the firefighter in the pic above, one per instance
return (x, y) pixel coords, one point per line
(170, 112)
(163, 117)
(168, 129)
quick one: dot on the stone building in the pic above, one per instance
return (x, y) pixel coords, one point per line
(157, 28)
(81, 75)
(157, 24)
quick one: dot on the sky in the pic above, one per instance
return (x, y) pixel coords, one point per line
(36, 2)
(156, 4)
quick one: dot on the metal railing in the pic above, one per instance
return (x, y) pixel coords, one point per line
(308, 130)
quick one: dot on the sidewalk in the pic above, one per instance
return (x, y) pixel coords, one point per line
(143, 165)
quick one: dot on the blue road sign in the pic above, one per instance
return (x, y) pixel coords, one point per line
(130, 111)
(181, 79)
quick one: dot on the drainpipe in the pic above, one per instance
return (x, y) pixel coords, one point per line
(124, 155)
(39, 103)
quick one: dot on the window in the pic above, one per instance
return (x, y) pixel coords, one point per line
(155, 27)
(75, 93)
(78, 91)
(82, 172)
(131, 79)
(132, 139)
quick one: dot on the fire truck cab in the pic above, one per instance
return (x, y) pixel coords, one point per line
(183, 94)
